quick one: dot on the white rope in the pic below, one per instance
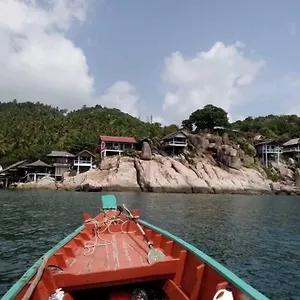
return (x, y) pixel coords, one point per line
(106, 223)
(90, 246)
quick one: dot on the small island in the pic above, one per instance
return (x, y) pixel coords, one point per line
(102, 149)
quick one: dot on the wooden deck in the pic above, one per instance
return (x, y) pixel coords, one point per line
(91, 260)
(113, 252)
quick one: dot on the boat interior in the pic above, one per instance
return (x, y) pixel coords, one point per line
(109, 259)
(152, 290)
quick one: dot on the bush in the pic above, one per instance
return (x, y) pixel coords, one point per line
(130, 152)
(274, 176)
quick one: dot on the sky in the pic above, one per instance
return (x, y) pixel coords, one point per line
(164, 58)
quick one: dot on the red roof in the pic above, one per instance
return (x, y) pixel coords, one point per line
(117, 139)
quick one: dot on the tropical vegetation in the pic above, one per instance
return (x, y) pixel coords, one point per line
(279, 128)
(206, 118)
(32, 130)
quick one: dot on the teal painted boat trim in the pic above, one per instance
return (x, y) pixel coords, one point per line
(231, 277)
(109, 202)
(17, 287)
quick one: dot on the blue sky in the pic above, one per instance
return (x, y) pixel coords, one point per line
(122, 54)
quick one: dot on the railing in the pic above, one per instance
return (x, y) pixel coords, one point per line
(178, 142)
(175, 143)
(281, 150)
(276, 150)
(116, 146)
(294, 149)
(82, 161)
(113, 150)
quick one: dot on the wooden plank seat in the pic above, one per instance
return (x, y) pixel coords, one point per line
(159, 270)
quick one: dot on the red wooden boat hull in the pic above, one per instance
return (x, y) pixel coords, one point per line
(109, 262)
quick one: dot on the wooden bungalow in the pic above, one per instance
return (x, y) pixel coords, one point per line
(291, 149)
(114, 145)
(37, 170)
(268, 151)
(83, 161)
(12, 173)
(175, 142)
(62, 162)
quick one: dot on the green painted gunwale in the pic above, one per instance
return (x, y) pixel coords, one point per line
(231, 277)
(17, 287)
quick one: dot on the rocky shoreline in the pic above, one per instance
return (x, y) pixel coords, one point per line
(201, 174)
(211, 164)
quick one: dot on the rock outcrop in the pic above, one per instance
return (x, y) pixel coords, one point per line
(199, 142)
(115, 173)
(229, 157)
(146, 153)
(162, 175)
(283, 171)
(211, 164)
(166, 175)
(44, 183)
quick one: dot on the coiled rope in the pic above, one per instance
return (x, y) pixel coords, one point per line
(89, 246)
(106, 223)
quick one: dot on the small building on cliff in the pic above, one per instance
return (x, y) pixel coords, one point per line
(268, 151)
(36, 170)
(114, 145)
(62, 162)
(175, 142)
(12, 173)
(83, 161)
(291, 149)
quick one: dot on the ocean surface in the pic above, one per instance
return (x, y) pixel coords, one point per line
(256, 237)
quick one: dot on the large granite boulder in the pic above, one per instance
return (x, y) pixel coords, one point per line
(228, 156)
(199, 142)
(146, 153)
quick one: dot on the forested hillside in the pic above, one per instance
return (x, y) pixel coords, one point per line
(31, 130)
(280, 128)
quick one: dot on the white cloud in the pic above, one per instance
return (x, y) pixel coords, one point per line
(216, 76)
(39, 63)
(121, 95)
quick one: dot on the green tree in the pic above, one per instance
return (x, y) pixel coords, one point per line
(281, 128)
(267, 132)
(207, 118)
(169, 129)
(187, 124)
